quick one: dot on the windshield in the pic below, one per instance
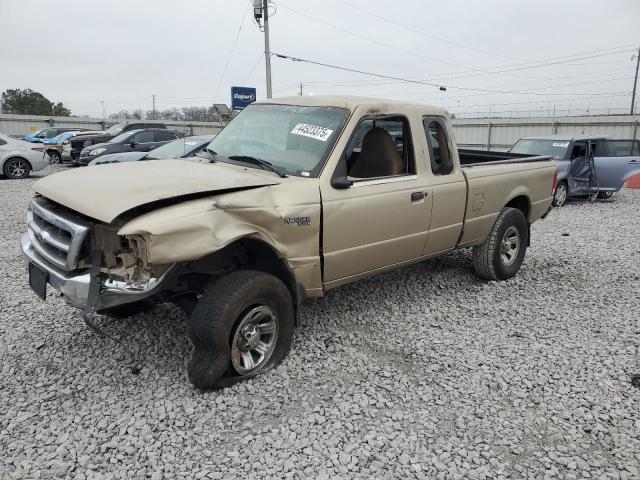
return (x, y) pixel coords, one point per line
(115, 129)
(122, 137)
(553, 148)
(175, 149)
(294, 139)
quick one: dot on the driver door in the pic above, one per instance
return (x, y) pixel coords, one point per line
(373, 222)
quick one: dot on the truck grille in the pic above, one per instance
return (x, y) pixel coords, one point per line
(57, 234)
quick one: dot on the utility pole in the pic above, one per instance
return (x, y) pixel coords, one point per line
(261, 11)
(267, 52)
(300, 94)
(154, 107)
(104, 113)
(635, 81)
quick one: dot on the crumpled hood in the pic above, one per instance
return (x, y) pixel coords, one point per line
(107, 191)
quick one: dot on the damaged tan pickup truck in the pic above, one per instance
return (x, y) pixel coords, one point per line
(294, 197)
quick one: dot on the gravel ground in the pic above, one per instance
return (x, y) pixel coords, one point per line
(425, 372)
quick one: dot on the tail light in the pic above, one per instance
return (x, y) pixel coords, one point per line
(555, 182)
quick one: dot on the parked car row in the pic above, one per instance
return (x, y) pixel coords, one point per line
(80, 142)
(143, 140)
(181, 148)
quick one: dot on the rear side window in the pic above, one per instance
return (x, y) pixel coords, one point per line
(164, 136)
(439, 151)
(144, 137)
(624, 148)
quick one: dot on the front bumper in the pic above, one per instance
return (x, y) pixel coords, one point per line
(74, 288)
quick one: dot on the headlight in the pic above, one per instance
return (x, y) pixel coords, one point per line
(97, 151)
(86, 143)
(66, 142)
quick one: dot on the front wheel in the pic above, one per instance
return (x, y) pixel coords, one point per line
(242, 326)
(16, 168)
(560, 195)
(502, 253)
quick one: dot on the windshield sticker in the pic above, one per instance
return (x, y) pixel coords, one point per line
(561, 144)
(312, 131)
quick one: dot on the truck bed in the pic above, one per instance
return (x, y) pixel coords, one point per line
(471, 158)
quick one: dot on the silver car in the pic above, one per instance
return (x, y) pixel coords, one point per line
(18, 158)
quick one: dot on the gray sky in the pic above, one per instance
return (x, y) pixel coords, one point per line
(80, 52)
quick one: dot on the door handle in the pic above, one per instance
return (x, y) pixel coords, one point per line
(417, 196)
(633, 162)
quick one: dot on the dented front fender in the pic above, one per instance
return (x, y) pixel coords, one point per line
(286, 217)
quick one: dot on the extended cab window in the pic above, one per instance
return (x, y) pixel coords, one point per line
(380, 148)
(439, 152)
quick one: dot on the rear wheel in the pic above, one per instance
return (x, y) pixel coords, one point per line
(561, 194)
(54, 156)
(16, 168)
(502, 253)
(604, 195)
(242, 326)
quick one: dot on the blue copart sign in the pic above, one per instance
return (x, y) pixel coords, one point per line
(241, 97)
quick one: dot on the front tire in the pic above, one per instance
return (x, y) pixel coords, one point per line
(502, 253)
(242, 326)
(16, 168)
(561, 194)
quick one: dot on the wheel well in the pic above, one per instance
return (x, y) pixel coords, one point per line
(520, 202)
(243, 254)
(14, 158)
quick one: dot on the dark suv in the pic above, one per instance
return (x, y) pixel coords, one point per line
(81, 141)
(130, 141)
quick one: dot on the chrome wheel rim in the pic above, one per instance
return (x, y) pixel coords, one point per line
(510, 246)
(53, 158)
(561, 194)
(254, 340)
(17, 168)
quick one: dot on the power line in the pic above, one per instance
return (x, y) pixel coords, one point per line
(252, 69)
(408, 80)
(368, 39)
(405, 27)
(527, 65)
(233, 47)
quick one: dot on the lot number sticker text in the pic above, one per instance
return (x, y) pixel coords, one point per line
(311, 131)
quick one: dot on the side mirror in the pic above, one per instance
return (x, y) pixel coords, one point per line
(132, 144)
(341, 183)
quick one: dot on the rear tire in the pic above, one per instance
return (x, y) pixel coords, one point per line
(604, 195)
(54, 156)
(502, 253)
(561, 194)
(242, 326)
(16, 168)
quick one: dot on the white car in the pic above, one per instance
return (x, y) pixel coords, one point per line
(18, 158)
